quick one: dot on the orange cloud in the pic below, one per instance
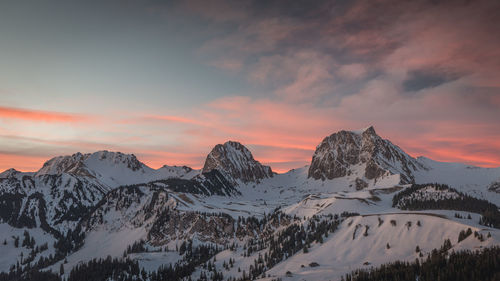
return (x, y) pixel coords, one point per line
(38, 115)
(175, 119)
(21, 162)
(157, 158)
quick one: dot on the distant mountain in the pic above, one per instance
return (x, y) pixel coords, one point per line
(67, 187)
(110, 168)
(54, 202)
(363, 154)
(236, 162)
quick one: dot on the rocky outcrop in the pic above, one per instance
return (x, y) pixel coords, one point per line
(363, 153)
(52, 202)
(494, 186)
(154, 209)
(236, 162)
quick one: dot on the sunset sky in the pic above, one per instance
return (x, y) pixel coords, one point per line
(167, 80)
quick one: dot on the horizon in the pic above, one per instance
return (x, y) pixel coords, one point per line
(167, 81)
(201, 166)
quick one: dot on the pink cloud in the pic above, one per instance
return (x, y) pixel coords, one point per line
(40, 116)
(21, 162)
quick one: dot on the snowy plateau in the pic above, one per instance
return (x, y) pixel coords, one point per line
(361, 203)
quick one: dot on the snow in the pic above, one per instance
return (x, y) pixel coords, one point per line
(468, 179)
(152, 261)
(112, 168)
(340, 253)
(100, 244)
(10, 254)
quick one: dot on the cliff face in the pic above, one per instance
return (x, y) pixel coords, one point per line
(236, 162)
(338, 154)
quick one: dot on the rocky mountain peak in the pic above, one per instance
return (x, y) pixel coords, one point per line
(370, 131)
(361, 152)
(234, 160)
(9, 173)
(88, 164)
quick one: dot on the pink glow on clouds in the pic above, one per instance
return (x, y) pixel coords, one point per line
(283, 135)
(21, 162)
(38, 115)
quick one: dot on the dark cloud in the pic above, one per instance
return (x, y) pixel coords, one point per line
(425, 78)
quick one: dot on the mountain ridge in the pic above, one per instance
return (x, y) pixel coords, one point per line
(339, 152)
(75, 165)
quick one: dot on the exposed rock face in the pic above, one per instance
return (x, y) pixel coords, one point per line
(360, 184)
(494, 186)
(236, 162)
(53, 202)
(153, 208)
(345, 152)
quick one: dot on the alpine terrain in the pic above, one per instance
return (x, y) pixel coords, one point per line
(363, 202)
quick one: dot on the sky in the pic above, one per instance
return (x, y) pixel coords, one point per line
(168, 80)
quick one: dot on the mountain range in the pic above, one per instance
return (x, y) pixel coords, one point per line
(362, 202)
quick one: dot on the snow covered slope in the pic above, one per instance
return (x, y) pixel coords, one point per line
(475, 181)
(67, 187)
(111, 168)
(54, 202)
(365, 241)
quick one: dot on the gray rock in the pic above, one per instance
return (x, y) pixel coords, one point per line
(336, 155)
(235, 161)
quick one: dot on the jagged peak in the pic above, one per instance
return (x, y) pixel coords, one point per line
(340, 151)
(370, 130)
(236, 161)
(9, 173)
(235, 145)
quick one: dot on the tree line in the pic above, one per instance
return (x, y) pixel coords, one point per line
(405, 200)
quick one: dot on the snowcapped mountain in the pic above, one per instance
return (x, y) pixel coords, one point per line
(361, 202)
(236, 162)
(67, 187)
(111, 168)
(54, 202)
(364, 154)
(12, 173)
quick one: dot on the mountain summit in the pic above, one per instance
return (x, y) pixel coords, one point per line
(235, 160)
(82, 164)
(111, 168)
(362, 153)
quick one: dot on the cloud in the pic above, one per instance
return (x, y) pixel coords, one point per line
(231, 64)
(427, 78)
(174, 119)
(40, 116)
(21, 162)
